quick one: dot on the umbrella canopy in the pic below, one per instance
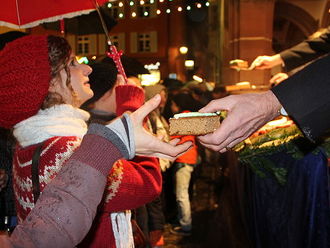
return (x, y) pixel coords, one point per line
(85, 24)
(27, 14)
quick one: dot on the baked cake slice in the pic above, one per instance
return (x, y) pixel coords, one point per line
(194, 123)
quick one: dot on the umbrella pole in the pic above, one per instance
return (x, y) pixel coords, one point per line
(113, 53)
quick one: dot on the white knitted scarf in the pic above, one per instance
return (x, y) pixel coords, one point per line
(59, 120)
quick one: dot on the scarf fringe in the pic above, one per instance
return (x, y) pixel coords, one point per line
(122, 229)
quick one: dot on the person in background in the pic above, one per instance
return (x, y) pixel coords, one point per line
(159, 211)
(149, 217)
(64, 212)
(102, 106)
(113, 97)
(157, 122)
(184, 166)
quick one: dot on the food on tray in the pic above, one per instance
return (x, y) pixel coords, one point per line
(194, 123)
(239, 64)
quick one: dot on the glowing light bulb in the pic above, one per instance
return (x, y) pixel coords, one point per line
(120, 4)
(179, 9)
(199, 5)
(133, 14)
(158, 12)
(109, 5)
(168, 11)
(121, 15)
(188, 7)
(131, 3)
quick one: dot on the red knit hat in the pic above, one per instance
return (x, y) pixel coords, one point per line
(24, 78)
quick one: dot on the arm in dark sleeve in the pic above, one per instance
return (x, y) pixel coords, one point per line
(65, 210)
(306, 51)
(306, 97)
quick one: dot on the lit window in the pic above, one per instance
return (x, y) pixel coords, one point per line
(144, 42)
(83, 45)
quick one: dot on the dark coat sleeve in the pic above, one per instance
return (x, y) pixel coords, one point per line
(306, 51)
(306, 97)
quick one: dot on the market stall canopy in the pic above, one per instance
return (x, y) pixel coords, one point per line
(27, 14)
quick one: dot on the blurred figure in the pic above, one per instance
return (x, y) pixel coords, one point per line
(184, 166)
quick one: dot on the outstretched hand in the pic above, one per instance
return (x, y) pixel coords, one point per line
(148, 144)
(266, 62)
(246, 114)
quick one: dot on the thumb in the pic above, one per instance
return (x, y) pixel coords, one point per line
(146, 108)
(214, 106)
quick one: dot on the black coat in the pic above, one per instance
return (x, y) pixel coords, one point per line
(306, 51)
(306, 97)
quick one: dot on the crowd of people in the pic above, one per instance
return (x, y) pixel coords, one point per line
(85, 172)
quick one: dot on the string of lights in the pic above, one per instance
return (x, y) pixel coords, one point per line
(120, 6)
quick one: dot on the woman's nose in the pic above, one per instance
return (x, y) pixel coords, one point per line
(87, 69)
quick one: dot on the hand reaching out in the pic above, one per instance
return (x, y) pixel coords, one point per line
(246, 113)
(148, 144)
(266, 62)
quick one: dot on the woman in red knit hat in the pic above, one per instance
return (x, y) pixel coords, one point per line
(49, 86)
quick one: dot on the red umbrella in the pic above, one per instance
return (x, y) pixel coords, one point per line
(26, 14)
(30, 13)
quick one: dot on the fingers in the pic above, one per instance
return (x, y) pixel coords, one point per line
(278, 78)
(174, 142)
(172, 152)
(165, 150)
(256, 62)
(261, 62)
(145, 109)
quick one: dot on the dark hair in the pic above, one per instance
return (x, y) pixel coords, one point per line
(132, 66)
(59, 51)
(102, 79)
(186, 102)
